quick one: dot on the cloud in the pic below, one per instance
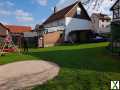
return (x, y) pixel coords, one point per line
(23, 16)
(6, 4)
(5, 23)
(9, 3)
(22, 13)
(25, 19)
(6, 8)
(5, 13)
(63, 3)
(42, 2)
(10, 14)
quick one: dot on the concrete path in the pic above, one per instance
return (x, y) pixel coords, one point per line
(20, 75)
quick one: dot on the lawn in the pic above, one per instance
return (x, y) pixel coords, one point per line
(83, 67)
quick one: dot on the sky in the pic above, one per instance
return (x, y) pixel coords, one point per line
(32, 12)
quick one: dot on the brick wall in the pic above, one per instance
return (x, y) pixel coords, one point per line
(50, 39)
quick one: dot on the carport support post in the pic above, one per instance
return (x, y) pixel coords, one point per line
(43, 41)
(66, 36)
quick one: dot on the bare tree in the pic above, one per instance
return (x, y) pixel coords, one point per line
(97, 3)
(89, 4)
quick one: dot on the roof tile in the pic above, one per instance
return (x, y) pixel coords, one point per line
(19, 29)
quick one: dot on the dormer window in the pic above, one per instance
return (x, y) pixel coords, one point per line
(78, 10)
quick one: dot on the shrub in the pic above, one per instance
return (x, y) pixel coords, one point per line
(115, 27)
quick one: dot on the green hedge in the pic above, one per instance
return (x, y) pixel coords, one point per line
(115, 31)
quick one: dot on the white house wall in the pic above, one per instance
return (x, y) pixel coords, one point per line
(55, 23)
(53, 29)
(106, 28)
(77, 24)
(55, 26)
(73, 24)
(95, 23)
(98, 25)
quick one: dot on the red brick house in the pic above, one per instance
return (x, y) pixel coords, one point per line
(71, 24)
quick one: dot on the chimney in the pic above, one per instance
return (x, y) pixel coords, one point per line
(55, 9)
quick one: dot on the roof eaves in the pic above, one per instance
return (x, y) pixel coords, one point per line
(76, 3)
(4, 27)
(114, 5)
(59, 12)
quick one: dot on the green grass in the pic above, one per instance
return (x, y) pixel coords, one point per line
(83, 67)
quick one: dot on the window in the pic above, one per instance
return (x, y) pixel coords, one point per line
(102, 20)
(78, 10)
(60, 23)
(102, 26)
(45, 31)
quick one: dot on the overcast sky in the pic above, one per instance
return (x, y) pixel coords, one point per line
(32, 12)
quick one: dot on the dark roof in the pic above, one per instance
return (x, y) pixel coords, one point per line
(60, 14)
(114, 5)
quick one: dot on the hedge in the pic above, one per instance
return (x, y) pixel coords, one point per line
(115, 31)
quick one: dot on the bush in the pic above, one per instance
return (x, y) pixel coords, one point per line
(115, 31)
(115, 27)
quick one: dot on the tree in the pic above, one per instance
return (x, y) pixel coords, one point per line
(96, 3)
(90, 4)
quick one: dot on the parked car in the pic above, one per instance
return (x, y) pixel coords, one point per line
(100, 39)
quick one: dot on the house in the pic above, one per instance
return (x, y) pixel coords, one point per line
(14, 29)
(16, 32)
(115, 26)
(101, 23)
(3, 30)
(116, 11)
(71, 24)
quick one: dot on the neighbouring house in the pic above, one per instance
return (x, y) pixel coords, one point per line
(101, 23)
(16, 32)
(115, 26)
(71, 24)
(3, 30)
(116, 11)
(14, 29)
